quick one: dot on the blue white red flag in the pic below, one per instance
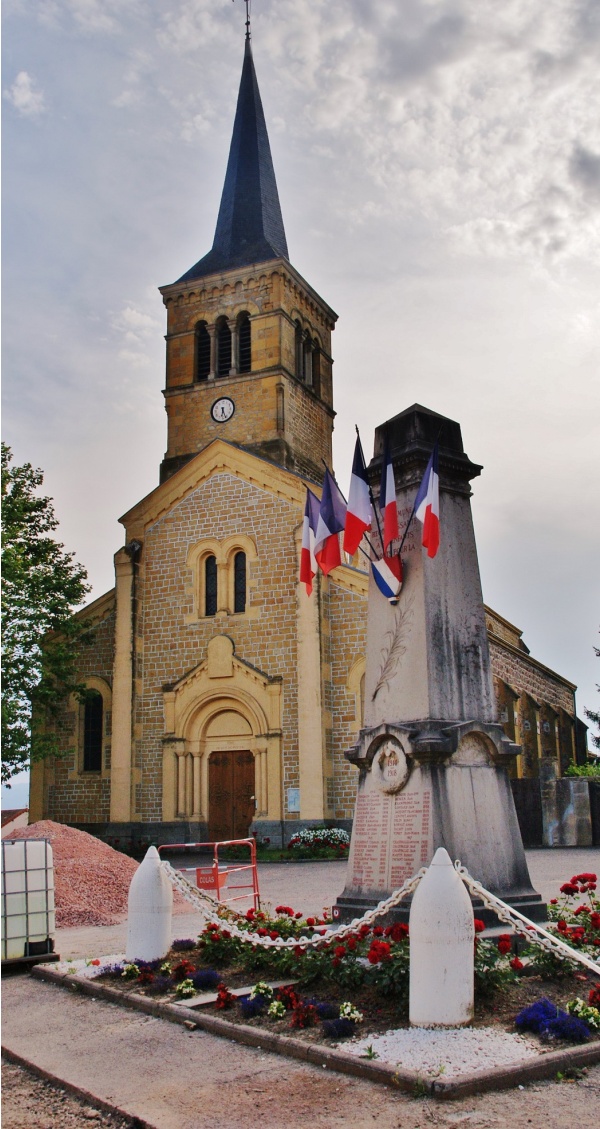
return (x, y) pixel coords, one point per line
(387, 574)
(332, 519)
(427, 504)
(387, 499)
(308, 564)
(358, 514)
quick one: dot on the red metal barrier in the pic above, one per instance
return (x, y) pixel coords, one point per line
(215, 878)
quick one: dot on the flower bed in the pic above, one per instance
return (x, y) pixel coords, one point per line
(361, 983)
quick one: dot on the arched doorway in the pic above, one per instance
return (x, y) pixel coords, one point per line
(231, 776)
(231, 794)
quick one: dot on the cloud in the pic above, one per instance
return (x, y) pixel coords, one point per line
(27, 101)
(584, 167)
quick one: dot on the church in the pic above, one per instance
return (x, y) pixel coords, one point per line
(220, 697)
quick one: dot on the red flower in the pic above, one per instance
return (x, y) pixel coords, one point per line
(297, 916)
(378, 931)
(561, 926)
(553, 901)
(479, 925)
(310, 921)
(94, 962)
(594, 996)
(570, 888)
(516, 964)
(339, 952)
(504, 943)
(224, 997)
(273, 935)
(380, 950)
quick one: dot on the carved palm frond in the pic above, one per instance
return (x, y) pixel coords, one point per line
(394, 647)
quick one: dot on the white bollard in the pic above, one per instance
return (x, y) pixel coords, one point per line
(149, 908)
(441, 933)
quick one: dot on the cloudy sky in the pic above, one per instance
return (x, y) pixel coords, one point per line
(438, 164)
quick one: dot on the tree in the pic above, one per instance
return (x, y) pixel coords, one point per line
(594, 715)
(42, 585)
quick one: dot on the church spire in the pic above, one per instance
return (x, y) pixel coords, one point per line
(249, 225)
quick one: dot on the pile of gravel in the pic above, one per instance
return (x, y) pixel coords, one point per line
(91, 879)
(445, 1052)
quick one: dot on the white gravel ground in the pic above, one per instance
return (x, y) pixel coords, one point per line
(446, 1053)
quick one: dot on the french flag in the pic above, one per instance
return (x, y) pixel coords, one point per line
(387, 574)
(308, 564)
(427, 504)
(387, 499)
(358, 514)
(332, 519)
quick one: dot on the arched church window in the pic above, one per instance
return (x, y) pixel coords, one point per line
(210, 585)
(223, 348)
(244, 344)
(299, 346)
(202, 351)
(239, 582)
(308, 358)
(93, 721)
(316, 367)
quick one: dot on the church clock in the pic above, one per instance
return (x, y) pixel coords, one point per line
(222, 409)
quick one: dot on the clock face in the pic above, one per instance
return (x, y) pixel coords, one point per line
(222, 409)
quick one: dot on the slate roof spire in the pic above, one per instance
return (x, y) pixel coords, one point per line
(249, 225)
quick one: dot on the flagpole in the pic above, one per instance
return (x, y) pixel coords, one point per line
(366, 555)
(372, 500)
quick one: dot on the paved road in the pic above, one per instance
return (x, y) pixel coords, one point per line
(176, 1079)
(311, 886)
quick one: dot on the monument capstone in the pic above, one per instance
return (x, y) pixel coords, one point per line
(432, 756)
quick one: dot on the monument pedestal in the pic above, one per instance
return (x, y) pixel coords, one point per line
(430, 785)
(432, 756)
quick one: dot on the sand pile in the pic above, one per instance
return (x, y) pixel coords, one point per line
(91, 879)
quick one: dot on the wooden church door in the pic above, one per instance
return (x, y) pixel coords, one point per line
(230, 795)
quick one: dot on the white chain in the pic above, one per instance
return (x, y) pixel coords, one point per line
(504, 912)
(516, 920)
(199, 900)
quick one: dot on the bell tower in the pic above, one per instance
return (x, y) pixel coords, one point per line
(248, 339)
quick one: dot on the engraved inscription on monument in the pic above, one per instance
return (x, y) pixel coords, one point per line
(371, 827)
(411, 843)
(392, 838)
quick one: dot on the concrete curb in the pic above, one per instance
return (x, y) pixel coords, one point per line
(499, 1078)
(77, 1091)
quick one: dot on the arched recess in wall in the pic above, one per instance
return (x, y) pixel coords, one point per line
(94, 717)
(355, 686)
(223, 705)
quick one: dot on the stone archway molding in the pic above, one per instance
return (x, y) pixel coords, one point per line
(199, 713)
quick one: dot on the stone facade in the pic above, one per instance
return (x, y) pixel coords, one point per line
(198, 663)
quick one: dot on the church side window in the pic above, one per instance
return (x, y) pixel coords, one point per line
(239, 582)
(210, 586)
(93, 731)
(299, 344)
(316, 367)
(244, 344)
(202, 351)
(308, 358)
(223, 348)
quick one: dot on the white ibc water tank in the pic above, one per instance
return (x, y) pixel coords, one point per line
(28, 920)
(442, 951)
(149, 909)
